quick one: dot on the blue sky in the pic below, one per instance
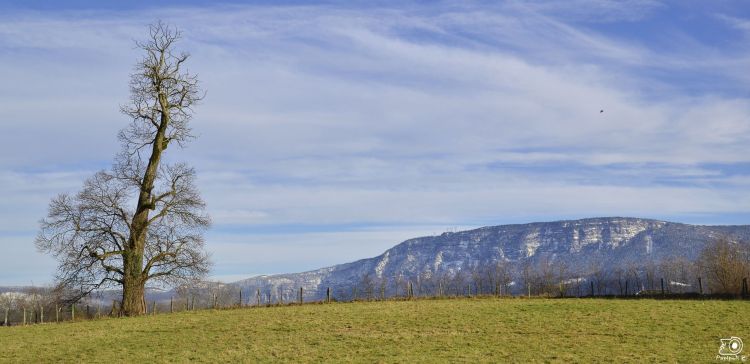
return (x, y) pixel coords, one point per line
(334, 130)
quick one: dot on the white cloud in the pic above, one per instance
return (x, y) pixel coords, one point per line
(741, 24)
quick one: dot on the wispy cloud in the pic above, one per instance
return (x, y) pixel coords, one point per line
(740, 24)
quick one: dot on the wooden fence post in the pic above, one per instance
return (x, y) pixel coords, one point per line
(57, 313)
(5, 322)
(328, 295)
(662, 286)
(73, 312)
(41, 313)
(24, 316)
(88, 312)
(742, 288)
(171, 304)
(301, 300)
(214, 300)
(240, 297)
(592, 288)
(258, 292)
(626, 288)
(700, 286)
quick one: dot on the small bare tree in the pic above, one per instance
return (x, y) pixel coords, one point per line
(649, 272)
(477, 279)
(598, 274)
(502, 275)
(632, 272)
(725, 264)
(142, 221)
(367, 285)
(678, 273)
(562, 276)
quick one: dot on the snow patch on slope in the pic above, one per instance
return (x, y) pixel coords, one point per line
(531, 242)
(438, 261)
(381, 265)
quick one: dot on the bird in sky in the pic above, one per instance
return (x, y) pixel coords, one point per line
(601, 111)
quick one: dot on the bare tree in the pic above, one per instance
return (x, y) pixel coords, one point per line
(725, 264)
(598, 274)
(528, 276)
(545, 275)
(367, 283)
(501, 272)
(562, 277)
(441, 283)
(632, 273)
(678, 274)
(143, 220)
(457, 282)
(477, 279)
(621, 276)
(650, 270)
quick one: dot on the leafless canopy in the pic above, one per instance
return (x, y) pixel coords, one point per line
(160, 88)
(143, 212)
(725, 263)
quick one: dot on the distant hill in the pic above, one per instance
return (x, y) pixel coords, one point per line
(609, 243)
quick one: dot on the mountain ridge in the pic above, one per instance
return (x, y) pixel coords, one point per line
(610, 242)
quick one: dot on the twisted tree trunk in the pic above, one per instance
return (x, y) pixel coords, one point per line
(134, 279)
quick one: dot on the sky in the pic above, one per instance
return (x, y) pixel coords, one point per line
(332, 131)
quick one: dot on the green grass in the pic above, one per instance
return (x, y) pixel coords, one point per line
(448, 330)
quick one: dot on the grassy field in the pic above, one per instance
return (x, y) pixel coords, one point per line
(448, 330)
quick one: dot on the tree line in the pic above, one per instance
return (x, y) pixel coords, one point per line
(722, 268)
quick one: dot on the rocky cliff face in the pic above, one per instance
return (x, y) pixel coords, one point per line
(609, 243)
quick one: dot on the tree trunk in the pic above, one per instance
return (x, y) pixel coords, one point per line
(134, 279)
(133, 287)
(132, 298)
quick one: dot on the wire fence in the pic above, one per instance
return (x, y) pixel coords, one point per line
(50, 313)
